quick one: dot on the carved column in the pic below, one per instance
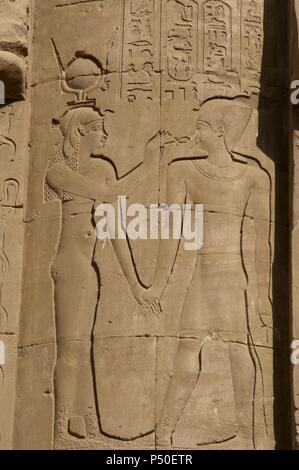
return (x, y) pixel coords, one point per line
(14, 120)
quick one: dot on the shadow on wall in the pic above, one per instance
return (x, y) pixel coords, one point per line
(273, 140)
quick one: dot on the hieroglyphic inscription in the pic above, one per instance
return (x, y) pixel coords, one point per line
(179, 48)
(252, 37)
(217, 29)
(9, 190)
(7, 144)
(185, 40)
(139, 55)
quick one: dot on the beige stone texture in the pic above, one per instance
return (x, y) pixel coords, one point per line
(135, 343)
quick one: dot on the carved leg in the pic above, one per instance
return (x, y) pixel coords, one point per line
(186, 372)
(243, 385)
(76, 299)
(74, 384)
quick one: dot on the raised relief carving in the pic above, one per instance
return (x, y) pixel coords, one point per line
(71, 175)
(231, 190)
(13, 127)
(77, 178)
(81, 75)
(157, 347)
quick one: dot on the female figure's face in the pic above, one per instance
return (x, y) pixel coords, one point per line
(94, 138)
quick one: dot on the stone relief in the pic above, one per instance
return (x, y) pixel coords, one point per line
(232, 191)
(220, 182)
(7, 145)
(13, 118)
(140, 343)
(11, 193)
(79, 182)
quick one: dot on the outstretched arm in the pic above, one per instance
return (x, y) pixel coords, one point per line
(259, 208)
(176, 194)
(152, 153)
(61, 178)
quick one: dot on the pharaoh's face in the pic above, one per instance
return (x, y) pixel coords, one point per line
(95, 137)
(204, 134)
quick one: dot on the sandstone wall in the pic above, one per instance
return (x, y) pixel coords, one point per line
(14, 119)
(89, 364)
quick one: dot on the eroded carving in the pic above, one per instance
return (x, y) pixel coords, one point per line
(13, 74)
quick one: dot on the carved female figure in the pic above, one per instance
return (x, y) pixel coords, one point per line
(79, 180)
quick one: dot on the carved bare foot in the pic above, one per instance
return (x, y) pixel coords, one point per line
(77, 427)
(163, 435)
(163, 442)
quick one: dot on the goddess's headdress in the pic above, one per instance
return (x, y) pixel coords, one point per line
(81, 76)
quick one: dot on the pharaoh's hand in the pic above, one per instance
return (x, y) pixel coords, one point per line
(166, 138)
(152, 294)
(265, 311)
(151, 306)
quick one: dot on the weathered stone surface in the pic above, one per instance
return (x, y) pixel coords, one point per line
(13, 158)
(13, 75)
(147, 343)
(14, 26)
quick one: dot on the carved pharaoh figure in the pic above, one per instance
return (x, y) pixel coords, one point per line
(215, 314)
